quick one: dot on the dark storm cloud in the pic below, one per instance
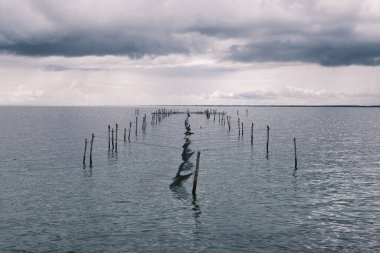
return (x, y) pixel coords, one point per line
(326, 54)
(97, 43)
(321, 32)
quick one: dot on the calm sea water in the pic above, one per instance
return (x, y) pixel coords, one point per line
(244, 203)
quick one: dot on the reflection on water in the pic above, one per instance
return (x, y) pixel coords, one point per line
(180, 193)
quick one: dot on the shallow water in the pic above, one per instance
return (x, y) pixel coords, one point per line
(245, 202)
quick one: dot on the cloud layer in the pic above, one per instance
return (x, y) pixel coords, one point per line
(325, 32)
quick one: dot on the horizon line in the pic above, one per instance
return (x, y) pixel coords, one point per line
(197, 105)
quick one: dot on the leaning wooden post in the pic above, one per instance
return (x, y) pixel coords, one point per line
(116, 137)
(92, 142)
(109, 139)
(84, 155)
(267, 139)
(136, 125)
(252, 134)
(295, 154)
(125, 134)
(129, 132)
(196, 173)
(112, 140)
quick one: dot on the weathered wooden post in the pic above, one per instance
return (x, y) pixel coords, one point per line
(252, 134)
(109, 139)
(125, 134)
(136, 125)
(242, 128)
(267, 140)
(92, 142)
(196, 173)
(295, 154)
(229, 122)
(84, 155)
(116, 137)
(113, 146)
(129, 132)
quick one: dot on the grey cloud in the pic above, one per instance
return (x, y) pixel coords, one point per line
(266, 31)
(326, 54)
(295, 94)
(250, 95)
(98, 43)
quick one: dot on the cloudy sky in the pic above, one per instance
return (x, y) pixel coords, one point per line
(189, 52)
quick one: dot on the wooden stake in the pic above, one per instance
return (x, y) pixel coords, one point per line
(125, 134)
(129, 132)
(116, 138)
(112, 140)
(92, 142)
(109, 139)
(196, 174)
(239, 125)
(267, 140)
(84, 155)
(252, 134)
(295, 154)
(136, 125)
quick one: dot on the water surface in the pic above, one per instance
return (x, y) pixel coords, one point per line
(245, 202)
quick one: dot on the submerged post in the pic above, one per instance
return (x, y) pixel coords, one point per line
(109, 140)
(196, 173)
(252, 134)
(125, 134)
(84, 155)
(113, 146)
(239, 125)
(92, 142)
(116, 138)
(295, 154)
(267, 140)
(242, 128)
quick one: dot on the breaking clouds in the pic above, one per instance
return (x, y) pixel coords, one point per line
(254, 50)
(322, 32)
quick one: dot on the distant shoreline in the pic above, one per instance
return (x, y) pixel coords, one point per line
(308, 106)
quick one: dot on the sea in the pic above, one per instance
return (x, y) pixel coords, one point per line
(247, 199)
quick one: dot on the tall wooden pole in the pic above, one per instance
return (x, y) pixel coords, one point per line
(113, 146)
(129, 132)
(267, 140)
(92, 142)
(136, 125)
(84, 155)
(295, 154)
(252, 134)
(116, 137)
(109, 139)
(196, 174)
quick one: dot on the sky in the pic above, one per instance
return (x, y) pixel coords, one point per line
(264, 52)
